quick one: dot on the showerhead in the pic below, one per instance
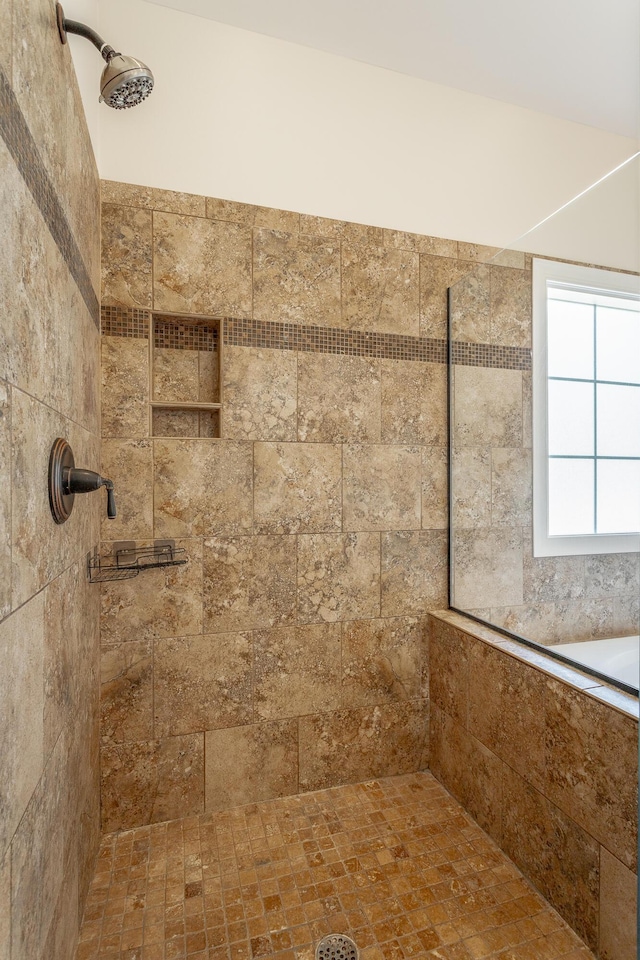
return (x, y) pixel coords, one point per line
(125, 81)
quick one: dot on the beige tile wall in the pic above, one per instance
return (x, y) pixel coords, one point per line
(290, 653)
(496, 577)
(49, 387)
(547, 762)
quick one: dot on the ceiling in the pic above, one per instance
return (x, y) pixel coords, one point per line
(575, 59)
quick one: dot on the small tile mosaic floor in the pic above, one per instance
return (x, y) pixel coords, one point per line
(395, 863)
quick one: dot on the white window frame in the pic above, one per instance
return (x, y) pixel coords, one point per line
(549, 273)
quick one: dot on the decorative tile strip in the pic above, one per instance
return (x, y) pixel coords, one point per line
(171, 333)
(125, 322)
(490, 355)
(22, 147)
(312, 339)
(181, 333)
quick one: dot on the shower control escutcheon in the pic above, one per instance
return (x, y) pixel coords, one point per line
(65, 480)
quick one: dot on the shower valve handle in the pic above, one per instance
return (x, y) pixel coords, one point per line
(85, 481)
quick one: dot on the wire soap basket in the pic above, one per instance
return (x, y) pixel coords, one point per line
(126, 560)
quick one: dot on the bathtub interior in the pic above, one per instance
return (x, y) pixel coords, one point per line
(615, 657)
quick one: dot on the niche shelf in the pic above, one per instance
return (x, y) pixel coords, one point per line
(185, 376)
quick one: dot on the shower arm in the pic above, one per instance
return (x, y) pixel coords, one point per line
(82, 30)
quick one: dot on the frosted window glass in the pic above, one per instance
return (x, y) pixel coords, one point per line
(570, 339)
(618, 344)
(618, 496)
(570, 497)
(618, 421)
(570, 418)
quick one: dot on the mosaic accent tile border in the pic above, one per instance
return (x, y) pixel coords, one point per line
(312, 339)
(490, 355)
(125, 322)
(170, 333)
(183, 333)
(22, 147)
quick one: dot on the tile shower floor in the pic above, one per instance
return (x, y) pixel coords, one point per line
(394, 863)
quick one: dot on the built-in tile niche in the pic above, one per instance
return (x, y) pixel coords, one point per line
(185, 376)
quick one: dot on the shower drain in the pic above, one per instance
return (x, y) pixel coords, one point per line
(336, 947)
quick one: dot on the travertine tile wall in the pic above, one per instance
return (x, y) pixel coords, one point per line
(546, 760)
(496, 577)
(289, 654)
(49, 387)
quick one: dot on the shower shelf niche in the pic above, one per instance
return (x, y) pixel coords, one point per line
(127, 560)
(185, 373)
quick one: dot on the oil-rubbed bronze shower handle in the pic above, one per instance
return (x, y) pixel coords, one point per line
(85, 481)
(65, 480)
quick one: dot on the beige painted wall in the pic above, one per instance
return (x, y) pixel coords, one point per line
(253, 119)
(49, 387)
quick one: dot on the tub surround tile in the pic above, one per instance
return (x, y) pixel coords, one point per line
(380, 289)
(251, 763)
(201, 266)
(259, 390)
(338, 576)
(298, 487)
(559, 857)
(413, 402)
(435, 482)
(125, 387)
(296, 278)
(382, 661)
(6, 18)
(582, 735)
(249, 583)
(551, 578)
(126, 256)
(126, 692)
(152, 198)
(469, 769)
(297, 670)
(129, 463)
(413, 572)
(609, 575)
(161, 603)
(449, 670)
(339, 399)
(22, 647)
(353, 745)
(618, 909)
(202, 683)
(214, 494)
(152, 781)
(382, 487)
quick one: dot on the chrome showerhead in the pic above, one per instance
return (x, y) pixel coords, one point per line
(125, 81)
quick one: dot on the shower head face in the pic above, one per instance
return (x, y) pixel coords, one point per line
(125, 82)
